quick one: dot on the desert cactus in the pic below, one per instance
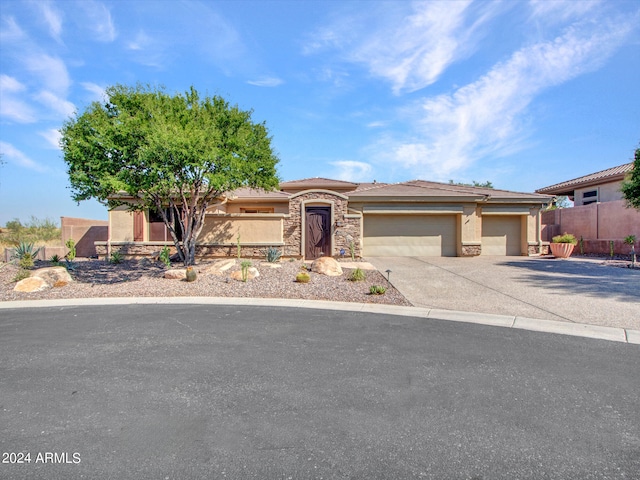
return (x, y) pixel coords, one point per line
(191, 274)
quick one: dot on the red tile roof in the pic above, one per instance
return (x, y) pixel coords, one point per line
(604, 176)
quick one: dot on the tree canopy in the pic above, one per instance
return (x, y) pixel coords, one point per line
(473, 183)
(631, 186)
(175, 154)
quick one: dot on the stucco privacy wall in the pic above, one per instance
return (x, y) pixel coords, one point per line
(345, 230)
(85, 233)
(597, 224)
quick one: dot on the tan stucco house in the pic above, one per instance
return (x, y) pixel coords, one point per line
(317, 217)
(603, 186)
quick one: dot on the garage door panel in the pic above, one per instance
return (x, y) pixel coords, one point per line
(501, 235)
(409, 235)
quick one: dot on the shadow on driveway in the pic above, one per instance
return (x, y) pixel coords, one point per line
(575, 277)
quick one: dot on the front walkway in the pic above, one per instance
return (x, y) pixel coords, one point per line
(573, 290)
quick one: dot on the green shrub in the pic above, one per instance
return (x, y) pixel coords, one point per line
(630, 240)
(71, 245)
(21, 275)
(55, 260)
(303, 277)
(357, 275)
(273, 254)
(116, 258)
(244, 266)
(377, 290)
(565, 238)
(165, 256)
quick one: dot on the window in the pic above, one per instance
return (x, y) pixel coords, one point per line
(257, 210)
(590, 197)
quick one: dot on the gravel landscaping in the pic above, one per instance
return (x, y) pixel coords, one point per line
(145, 278)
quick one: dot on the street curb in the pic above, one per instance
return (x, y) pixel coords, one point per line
(614, 334)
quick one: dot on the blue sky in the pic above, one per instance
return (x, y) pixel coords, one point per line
(522, 93)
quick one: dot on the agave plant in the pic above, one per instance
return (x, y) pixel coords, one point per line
(25, 254)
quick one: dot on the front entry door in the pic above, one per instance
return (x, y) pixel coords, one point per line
(317, 232)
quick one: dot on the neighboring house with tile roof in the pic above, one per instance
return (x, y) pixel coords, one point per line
(599, 216)
(603, 186)
(316, 217)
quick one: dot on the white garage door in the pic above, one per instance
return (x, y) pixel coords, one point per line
(501, 235)
(409, 235)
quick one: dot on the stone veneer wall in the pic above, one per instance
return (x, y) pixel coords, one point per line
(471, 250)
(152, 249)
(345, 229)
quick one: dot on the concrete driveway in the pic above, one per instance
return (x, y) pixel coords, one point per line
(573, 290)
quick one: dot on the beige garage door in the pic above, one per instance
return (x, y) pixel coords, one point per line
(409, 235)
(501, 235)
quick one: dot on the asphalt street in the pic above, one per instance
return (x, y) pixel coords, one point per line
(215, 391)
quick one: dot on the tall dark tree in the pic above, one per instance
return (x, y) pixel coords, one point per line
(631, 186)
(175, 154)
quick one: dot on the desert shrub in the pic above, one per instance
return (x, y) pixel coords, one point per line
(565, 238)
(377, 290)
(21, 275)
(165, 256)
(630, 240)
(244, 266)
(26, 254)
(357, 275)
(35, 230)
(303, 277)
(116, 258)
(71, 245)
(272, 254)
(55, 260)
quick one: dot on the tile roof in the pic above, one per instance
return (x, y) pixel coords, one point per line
(603, 176)
(423, 188)
(251, 193)
(318, 182)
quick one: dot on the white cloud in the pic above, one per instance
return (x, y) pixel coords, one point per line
(59, 105)
(487, 117)
(11, 106)
(409, 48)
(96, 90)
(266, 82)
(561, 10)
(10, 31)
(53, 18)
(99, 20)
(141, 41)
(51, 71)
(10, 85)
(52, 136)
(16, 156)
(352, 171)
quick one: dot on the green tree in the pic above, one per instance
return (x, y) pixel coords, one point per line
(176, 154)
(473, 183)
(631, 186)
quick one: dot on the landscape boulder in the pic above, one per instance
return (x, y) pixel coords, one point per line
(53, 275)
(218, 267)
(31, 284)
(326, 266)
(176, 274)
(252, 272)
